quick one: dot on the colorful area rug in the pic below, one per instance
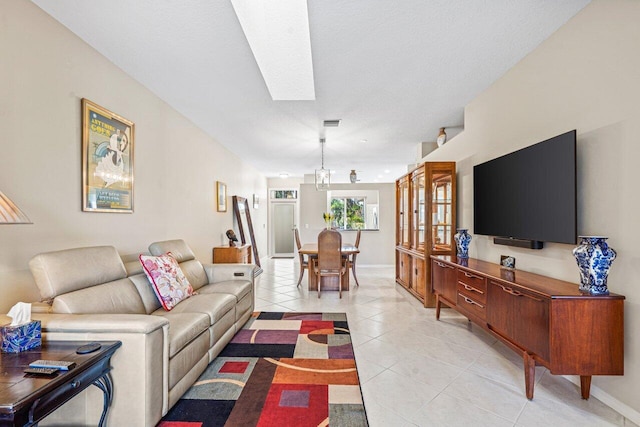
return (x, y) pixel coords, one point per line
(281, 369)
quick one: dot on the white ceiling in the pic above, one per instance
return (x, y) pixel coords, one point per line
(392, 71)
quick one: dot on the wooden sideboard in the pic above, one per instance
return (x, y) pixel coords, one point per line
(232, 254)
(548, 321)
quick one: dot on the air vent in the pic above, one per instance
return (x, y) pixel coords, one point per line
(331, 123)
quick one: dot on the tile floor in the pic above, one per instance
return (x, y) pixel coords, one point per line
(416, 371)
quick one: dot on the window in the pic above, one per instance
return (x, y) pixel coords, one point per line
(353, 210)
(284, 194)
(348, 212)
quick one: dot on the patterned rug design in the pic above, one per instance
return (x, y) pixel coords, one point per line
(281, 369)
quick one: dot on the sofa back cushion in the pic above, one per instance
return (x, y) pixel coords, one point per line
(86, 280)
(117, 297)
(69, 270)
(190, 266)
(146, 292)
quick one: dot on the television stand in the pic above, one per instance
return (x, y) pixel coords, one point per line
(549, 322)
(520, 243)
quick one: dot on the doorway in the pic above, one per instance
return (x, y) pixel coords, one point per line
(282, 225)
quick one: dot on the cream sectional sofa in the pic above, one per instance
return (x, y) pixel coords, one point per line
(93, 295)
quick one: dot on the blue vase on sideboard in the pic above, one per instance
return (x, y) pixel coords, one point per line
(594, 258)
(462, 238)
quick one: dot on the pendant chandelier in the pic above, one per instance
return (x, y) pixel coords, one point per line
(323, 176)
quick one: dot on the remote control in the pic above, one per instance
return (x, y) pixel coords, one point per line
(41, 371)
(89, 348)
(58, 364)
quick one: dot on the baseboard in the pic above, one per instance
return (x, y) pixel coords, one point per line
(624, 409)
(377, 265)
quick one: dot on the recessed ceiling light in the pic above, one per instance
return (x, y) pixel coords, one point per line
(379, 176)
(284, 175)
(387, 171)
(363, 140)
(278, 34)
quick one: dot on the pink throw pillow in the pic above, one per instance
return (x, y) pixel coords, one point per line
(168, 280)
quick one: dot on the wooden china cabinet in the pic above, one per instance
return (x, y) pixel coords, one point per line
(425, 224)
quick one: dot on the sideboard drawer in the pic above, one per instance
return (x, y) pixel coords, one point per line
(471, 305)
(472, 285)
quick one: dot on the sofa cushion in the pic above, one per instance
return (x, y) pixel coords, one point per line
(213, 305)
(117, 297)
(183, 328)
(196, 274)
(146, 291)
(179, 248)
(69, 270)
(168, 280)
(237, 288)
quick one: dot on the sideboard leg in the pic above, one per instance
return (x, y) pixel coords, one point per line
(585, 386)
(529, 374)
(438, 304)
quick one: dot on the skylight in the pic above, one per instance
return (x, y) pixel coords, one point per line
(278, 34)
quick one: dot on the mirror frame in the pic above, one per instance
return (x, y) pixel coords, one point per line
(242, 201)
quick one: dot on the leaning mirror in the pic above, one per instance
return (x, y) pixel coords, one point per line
(245, 227)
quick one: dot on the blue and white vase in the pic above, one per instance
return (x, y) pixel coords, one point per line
(462, 238)
(594, 258)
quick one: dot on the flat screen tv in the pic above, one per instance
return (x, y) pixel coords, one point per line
(528, 195)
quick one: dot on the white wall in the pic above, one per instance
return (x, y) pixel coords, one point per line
(586, 77)
(377, 247)
(45, 71)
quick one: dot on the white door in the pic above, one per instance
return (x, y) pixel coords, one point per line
(282, 225)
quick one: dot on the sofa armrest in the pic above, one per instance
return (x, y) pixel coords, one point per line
(140, 367)
(224, 272)
(100, 323)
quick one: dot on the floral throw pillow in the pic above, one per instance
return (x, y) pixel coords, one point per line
(167, 279)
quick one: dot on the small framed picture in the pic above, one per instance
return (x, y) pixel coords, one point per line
(221, 196)
(256, 201)
(508, 262)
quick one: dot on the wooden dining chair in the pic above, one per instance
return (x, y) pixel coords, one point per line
(351, 259)
(304, 260)
(329, 262)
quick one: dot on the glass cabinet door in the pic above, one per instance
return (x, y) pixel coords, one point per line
(403, 213)
(441, 211)
(419, 210)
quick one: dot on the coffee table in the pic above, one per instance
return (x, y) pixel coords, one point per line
(26, 399)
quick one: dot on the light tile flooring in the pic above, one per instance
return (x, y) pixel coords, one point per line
(416, 371)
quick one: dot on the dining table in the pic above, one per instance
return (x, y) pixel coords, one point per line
(328, 283)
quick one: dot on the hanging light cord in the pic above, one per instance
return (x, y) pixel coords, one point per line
(322, 141)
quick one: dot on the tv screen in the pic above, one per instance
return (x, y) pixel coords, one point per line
(529, 194)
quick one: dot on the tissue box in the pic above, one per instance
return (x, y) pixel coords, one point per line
(14, 339)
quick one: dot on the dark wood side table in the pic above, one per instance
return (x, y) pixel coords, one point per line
(26, 399)
(240, 254)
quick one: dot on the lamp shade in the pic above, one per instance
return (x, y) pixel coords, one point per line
(323, 179)
(10, 213)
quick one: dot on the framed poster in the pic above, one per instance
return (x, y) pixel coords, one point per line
(107, 160)
(221, 196)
